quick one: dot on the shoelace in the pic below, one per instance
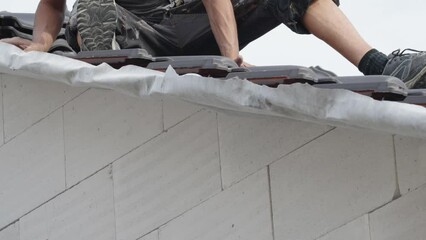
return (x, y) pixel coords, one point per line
(399, 53)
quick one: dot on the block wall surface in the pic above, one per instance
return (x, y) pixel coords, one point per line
(93, 164)
(1, 111)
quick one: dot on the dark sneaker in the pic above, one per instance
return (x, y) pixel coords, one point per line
(409, 67)
(96, 23)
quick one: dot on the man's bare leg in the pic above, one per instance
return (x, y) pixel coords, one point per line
(326, 21)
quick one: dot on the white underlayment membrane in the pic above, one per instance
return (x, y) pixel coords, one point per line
(297, 101)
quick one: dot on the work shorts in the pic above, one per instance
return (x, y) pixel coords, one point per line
(185, 29)
(290, 12)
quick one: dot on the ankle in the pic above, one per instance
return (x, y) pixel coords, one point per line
(373, 63)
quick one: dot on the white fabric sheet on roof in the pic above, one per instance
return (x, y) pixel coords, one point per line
(297, 101)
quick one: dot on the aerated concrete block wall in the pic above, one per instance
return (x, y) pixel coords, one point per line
(92, 164)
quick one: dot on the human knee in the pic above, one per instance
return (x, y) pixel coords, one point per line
(291, 12)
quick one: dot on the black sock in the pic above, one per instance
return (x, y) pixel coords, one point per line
(373, 63)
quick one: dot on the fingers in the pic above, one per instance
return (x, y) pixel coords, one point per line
(25, 44)
(244, 64)
(16, 41)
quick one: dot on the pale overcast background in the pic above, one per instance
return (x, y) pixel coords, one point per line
(385, 24)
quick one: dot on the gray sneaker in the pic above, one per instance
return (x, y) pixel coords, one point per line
(96, 23)
(409, 67)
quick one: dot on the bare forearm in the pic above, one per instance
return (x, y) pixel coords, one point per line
(224, 27)
(48, 21)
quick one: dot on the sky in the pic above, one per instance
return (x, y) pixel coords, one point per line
(385, 24)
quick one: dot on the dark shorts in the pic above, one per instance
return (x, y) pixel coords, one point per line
(290, 12)
(185, 30)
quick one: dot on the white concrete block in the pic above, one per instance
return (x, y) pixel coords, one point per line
(411, 162)
(330, 181)
(151, 236)
(404, 218)
(240, 212)
(28, 100)
(31, 168)
(1, 112)
(167, 176)
(248, 144)
(101, 126)
(84, 212)
(358, 229)
(10, 233)
(176, 110)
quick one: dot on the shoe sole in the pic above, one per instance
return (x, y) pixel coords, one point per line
(96, 23)
(418, 81)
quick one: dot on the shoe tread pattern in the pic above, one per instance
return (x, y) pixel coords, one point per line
(96, 23)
